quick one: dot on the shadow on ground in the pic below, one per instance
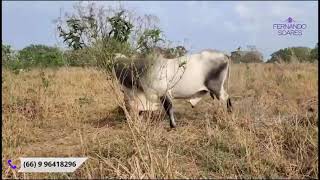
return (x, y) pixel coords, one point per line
(115, 117)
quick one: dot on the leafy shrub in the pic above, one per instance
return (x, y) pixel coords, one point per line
(41, 55)
(79, 57)
(302, 53)
(107, 32)
(314, 54)
(7, 53)
(281, 55)
(294, 54)
(252, 56)
(148, 40)
(10, 59)
(120, 27)
(169, 52)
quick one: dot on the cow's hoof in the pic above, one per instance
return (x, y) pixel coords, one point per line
(173, 126)
(171, 129)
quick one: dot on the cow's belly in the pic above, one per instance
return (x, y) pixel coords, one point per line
(180, 92)
(191, 83)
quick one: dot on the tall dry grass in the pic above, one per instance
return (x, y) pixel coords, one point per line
(66, 112)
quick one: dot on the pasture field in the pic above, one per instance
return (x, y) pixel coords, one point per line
(74, 112)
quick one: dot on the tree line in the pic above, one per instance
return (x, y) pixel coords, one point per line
(48, 56)
(94, 34)
(295, 55)
(298, 54)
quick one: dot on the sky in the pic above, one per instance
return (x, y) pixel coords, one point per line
(221, 25)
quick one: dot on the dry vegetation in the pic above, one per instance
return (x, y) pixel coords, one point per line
(73, 112)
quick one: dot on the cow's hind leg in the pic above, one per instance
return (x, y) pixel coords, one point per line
(222, 95)
(197, 97)
(225, 98)
(167, 105)
(212, 95)
(229, 105)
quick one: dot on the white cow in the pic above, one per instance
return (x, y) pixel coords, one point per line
(148, 82)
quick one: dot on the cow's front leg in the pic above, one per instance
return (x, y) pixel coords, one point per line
(167, 105)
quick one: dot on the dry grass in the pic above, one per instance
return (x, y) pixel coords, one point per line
(74, 112)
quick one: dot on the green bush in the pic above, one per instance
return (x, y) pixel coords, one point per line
(314, 54)
(7, 53)
(107, 32)
(281, 55)
(79, 57)
(148, 40)
(294, 54)
(41, 55)
(104, 52)
(10, 59)
(302, 53)
(252, 56)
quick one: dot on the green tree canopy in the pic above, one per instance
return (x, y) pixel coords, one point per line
(41, 55)
(314, 53)
(7, 53)
(105, 32)
(291, 55)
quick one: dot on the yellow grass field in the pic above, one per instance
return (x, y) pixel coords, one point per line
(73, 112)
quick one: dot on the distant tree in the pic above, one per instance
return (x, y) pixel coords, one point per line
(41, 55)
(73, 36)
(170, 52)
(7, 53)
(120, 27)
(302, 53)
(314, 54)
(90, 25)
(83, 27)
(149, 40)
(252, 57)
(282, 55)
(79, 57)
(291, 55)
(9, 59)
(105, 32)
